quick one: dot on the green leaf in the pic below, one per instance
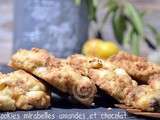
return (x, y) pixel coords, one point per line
(112, 7)
(77, 2)
(158, 39)
(155, 33)
(153, 29)
(142, 14)
(133, 16)
(95, 3)
(91, 9)
(135, 43)
(119, 25)
(127, 36)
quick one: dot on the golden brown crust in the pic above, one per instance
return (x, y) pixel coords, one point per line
(138, 67)
(118, 86)
(144, 97)
(117, 83)
(21, 90)
(113, 80)
(56, 72)
(154, 82)
(72, 76)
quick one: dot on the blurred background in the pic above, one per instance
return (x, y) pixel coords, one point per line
(7, 25)
(6, 29)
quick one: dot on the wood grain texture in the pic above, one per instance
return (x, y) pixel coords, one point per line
(138, 112)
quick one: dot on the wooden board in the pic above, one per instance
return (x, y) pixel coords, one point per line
(138, 112)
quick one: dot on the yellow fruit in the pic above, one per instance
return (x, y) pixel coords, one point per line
(90, 47)
(99, 48)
